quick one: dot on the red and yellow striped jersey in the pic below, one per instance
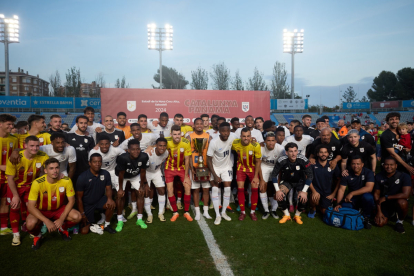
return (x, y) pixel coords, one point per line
(44, 139)
(50, 197)
(27, 170)
(177, 152)
(8, 144)
(195, 154)
(247, 155)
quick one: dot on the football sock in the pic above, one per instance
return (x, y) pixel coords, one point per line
(398, 221)
(197, 212)
(254, 198)
(265, 203)
(219, 196)
(205, 209)
(215, 199)
(273, 203)
(147, 206)
(173, 203)
(179, 194)
(161, 204)
(23, 210)
(291, 197)
(120, 217)
(3, 220)
(68, 224)
(139, 216)
(286, 212)
(297, 213)
(226, 199)
(107, 223)
(151, 200)
(134, 206)
(242, 199)
(249, 190)
(187, 202)
(15, 219)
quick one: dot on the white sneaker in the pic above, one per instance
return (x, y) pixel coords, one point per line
(149, 219)
(179, 205)
(206, 215)
(95, 228)
(124, 219)
(217, 221)
(225, 216)
(197, 216)
(16, 239)
(161, 217)
(169, 206)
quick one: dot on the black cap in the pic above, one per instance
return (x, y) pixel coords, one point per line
(355, 120)
(268, 124)
(320, 120)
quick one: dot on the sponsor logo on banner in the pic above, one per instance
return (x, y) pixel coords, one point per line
(245, 106)
(84, 102)
(131, 105)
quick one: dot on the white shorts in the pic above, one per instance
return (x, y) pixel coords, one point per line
(267, 173)
(196, 184)
(115, 181)
(135, 182)
(226, 174)
(156, 178)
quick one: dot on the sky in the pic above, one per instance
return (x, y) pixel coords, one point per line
(346, 43)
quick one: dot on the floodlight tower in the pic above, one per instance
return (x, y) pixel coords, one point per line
(9, 33)
(160, 39)
(293, 44)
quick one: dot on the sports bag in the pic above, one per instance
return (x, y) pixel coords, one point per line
(346, 218)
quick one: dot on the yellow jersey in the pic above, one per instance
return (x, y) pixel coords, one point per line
(246, 155)
(27, 170)
(44, 139)
(177, 153)
(185, 129)
(8, 144)
(50, 197)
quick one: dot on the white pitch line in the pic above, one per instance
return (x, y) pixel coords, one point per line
(219, 259)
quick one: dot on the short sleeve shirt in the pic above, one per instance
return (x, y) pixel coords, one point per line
(323, 177)
(93, 187)
(132, 167)
(393, 186)
(247, 155)
(356, 182)
(177, 154)
(26, 170)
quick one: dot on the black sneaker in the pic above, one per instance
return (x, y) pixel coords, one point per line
(367, 224)
(65, 235)
(265, 215)
(110, 230)
(399, 228)
(37, 242)
(274, 214)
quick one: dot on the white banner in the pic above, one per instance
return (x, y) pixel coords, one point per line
(290, 104)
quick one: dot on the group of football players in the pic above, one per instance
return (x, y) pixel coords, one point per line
(56, 180)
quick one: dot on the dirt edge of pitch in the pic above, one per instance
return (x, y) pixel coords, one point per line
(219, 259)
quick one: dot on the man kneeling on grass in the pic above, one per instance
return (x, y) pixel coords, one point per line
(94, 192)
(47, 197)
(391, 192)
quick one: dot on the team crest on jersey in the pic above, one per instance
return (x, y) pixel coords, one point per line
(363, 177)
(116, 137)
(244, 157)
(139, 164)
(397, 181)
(11, 145)
(245, 106)
(38, 165)
(363, 137)
(131, 105)
(61, 189)
(85, 140)
(102, 177)
(182, 149)
(41, 139)
(361, 150)
(297, 167)
(329, 169)
(333, 148)
(4, 152)
(250, 152)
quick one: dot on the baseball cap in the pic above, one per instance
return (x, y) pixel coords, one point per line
(320, 120)
(355, 120)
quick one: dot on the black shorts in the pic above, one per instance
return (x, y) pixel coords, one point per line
(90, 209)
(390, 207)
(296, 186)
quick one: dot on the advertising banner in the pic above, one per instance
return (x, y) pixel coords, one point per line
(289, 104)
(14, 102)
(190, 103)
(392, 104)
(84, 102)
(409, 103)
(356, 105)
(51, 102)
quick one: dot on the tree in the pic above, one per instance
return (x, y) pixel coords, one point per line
(73, 82)
(383, 87)
(55, 83)
(171, 79)
(237, 82)
(199, 79)
(364, 99)
(257, 82)
(220, 77)
(279, 87)
(405, 86)
(349, 95)
(121, 83)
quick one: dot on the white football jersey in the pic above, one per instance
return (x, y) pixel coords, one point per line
(306, 140)
(109, 158)
(213, 133)
(90, 129)
(147, 139)
(166, 131)
(221, 152)
(270, 157)
(255, 133)
(155, 161)
(67, 156)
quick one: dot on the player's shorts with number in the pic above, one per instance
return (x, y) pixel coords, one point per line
(198, 184)
(135, 182)
(156, 178)
(226, 174)
(267, 173)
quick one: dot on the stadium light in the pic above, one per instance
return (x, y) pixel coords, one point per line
(293, 44)
(160, 39)
(9, 33)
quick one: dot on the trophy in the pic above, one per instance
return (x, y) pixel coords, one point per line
(202, 172)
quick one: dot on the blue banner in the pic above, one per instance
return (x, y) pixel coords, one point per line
(409, 103)
(52, 102)
(15, 102)
(84, 102)
(356, 105)
(273, 104)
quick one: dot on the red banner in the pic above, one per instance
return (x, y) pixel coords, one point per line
(392, 104)
(190, 103)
